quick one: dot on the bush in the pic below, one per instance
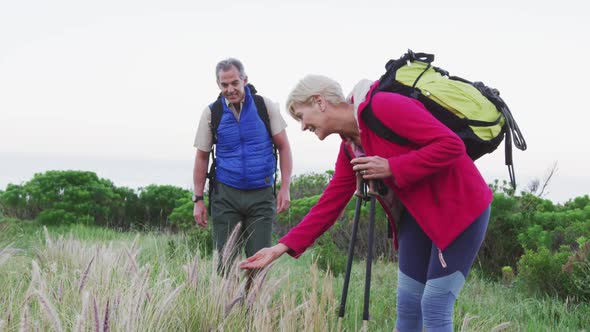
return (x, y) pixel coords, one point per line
(578, 269)
(58, 216)
(158, 202)
(541, 272)
(564, 273)
(329, 256)
(182, 216)
(501, 247)
(297, 210)
(82, 197)
(201, 239)
(182, 219)
(309, 184)
(71, 195)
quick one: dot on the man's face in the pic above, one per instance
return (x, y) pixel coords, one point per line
(231, 85)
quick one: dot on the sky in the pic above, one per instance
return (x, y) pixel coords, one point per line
(118, 87)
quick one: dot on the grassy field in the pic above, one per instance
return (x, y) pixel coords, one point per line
(79, 278)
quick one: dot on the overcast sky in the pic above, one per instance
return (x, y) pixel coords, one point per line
(117, 87)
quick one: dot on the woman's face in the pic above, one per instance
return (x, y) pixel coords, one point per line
(312, 118)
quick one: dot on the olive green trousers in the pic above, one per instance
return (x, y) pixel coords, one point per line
(255, 209)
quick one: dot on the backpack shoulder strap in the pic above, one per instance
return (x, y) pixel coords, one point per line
(378, 127)
(345, 147)
(262, 112)
(216, 112)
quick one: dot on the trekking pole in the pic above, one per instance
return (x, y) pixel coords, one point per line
(371, 192)
(360, 195)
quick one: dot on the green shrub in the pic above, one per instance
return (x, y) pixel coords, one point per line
(577, 203)
(329, 256)
(507, 276)
(82, 197)
(297, 210)
(309, 184)
(158, 202)
(200, 239)
(578, 269)
(63, 196)
(542, 271)
(182, 216)
(556, 259)
(501, 247)
(59, 216)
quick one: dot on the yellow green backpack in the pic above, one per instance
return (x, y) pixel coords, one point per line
(475, 112)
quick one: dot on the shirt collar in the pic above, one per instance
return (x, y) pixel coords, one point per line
(227, 103)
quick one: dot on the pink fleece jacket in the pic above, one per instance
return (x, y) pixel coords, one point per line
(433, 177)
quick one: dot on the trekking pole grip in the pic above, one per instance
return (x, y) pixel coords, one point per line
(360, 191)
(372, 191)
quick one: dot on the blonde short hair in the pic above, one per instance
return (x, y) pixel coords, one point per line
(314, 85)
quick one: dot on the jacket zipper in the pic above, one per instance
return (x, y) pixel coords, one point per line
(441, 259)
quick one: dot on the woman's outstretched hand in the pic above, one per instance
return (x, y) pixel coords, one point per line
(264, 257)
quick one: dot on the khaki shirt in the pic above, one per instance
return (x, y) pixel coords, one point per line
(203, 139)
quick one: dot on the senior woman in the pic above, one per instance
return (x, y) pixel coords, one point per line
(445, 201)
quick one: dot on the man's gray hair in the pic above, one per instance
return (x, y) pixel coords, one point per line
(225, 65)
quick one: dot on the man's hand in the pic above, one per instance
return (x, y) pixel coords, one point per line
(200, 214)
(283, 200)
(371, 168)
(264, 257)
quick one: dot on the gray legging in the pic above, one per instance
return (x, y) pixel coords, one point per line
(427, 290)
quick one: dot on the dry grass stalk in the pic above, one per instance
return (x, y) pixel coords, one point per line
(82, 316)
(230, 246)
(132, 260)
(49, 310)
(6, 253)
(267, 292)
(164, 305)
(230, 306)
(231, 285)
(137, 296)
(95, 310)
(134, 243)
(468, 319)
(105, 324)
(24, 318)
(148, 295)
(58, 295)
(36, 277)
(85, 275)
(257, 285)
(9, 318)
(466, 322)
(501, 327)
(48, 241)
(192, 272)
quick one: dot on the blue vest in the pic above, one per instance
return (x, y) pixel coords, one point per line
(245, 158)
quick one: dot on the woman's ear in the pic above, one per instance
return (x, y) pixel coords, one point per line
(321, 102)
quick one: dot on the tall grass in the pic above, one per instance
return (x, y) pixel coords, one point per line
(152, 282)
(75, 285)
